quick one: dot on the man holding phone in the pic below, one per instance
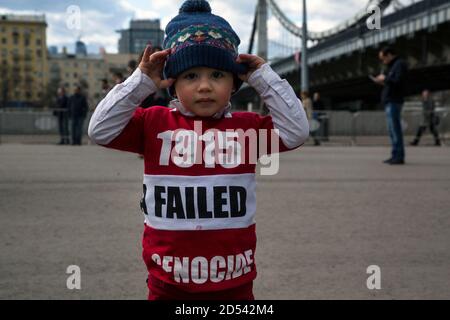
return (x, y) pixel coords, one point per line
(392, 98)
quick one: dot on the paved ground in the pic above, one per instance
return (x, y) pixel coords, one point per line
(332, 141)
(330, 213)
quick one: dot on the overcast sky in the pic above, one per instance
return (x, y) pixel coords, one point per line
(100, 19)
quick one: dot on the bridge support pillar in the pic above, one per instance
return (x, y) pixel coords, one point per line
(304, 73)
(261, 22)
(262, 29)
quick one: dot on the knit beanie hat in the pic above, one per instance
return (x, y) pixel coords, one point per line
(199, 38)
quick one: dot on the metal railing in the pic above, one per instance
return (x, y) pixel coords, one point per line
(338, 123)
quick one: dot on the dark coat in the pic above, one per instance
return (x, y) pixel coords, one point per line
(318, 105)
(62, 106)
(429, 112)
(394, 84)
(78, 106)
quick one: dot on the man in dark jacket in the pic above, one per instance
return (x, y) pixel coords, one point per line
(62, 112)
(78, 109)
(392, 98)
(430, 119)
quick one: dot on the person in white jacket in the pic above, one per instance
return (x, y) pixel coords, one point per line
(199, 190)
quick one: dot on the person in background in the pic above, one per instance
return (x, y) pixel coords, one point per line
(62, 112)
(393, 81)
(430, 119)
(105, 87)
(132, 65)
(308, 106)
(118, 77)
(317, 102)
(78, 108)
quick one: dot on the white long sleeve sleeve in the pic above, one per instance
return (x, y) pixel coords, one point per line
(288, 114)
(115, 111)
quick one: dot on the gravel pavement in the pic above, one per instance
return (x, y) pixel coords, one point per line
(321, 221)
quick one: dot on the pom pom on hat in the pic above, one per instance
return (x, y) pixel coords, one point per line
(195, 6)
(196, 37)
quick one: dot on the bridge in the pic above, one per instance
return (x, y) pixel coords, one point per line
(341, 59)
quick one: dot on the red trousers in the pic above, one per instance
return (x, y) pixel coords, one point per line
(159, 290)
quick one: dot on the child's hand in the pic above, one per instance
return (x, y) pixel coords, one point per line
(153, 64)
(254, 63)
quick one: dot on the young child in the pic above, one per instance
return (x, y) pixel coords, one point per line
(199, 236)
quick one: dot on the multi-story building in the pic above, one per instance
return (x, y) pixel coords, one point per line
(30, 73)
(85, 70)
(23, 60)
(118, 62)
(141, 32)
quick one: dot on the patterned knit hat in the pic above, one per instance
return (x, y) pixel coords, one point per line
(199, 38)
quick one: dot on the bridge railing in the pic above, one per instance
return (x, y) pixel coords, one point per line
(419, 16)
(419, 8)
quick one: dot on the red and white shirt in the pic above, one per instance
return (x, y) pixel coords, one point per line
(199, 180)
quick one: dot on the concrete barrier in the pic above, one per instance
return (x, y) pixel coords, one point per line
(31, 122)
(340, 123)
(373, 123)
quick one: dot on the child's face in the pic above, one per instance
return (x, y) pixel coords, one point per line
(204, 91)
